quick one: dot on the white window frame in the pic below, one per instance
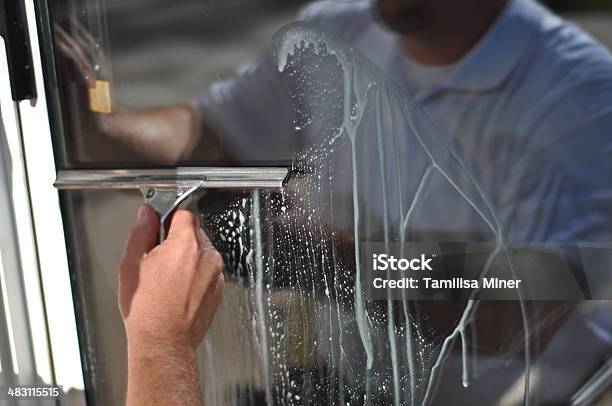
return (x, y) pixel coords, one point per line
(38, 300)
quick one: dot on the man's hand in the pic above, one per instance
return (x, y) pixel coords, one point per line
(161, 134)
(168, 296)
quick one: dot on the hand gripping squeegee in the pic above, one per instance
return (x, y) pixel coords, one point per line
(166, 189)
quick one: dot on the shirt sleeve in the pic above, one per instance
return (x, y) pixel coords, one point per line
(252, 113)
(560, 188)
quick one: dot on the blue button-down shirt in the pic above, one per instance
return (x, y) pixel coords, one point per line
(528, 110)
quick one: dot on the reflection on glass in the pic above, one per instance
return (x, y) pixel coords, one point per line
(354, 185)
(127, 84)
(368, 165)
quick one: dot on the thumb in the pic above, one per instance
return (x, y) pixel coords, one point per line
(141, 240)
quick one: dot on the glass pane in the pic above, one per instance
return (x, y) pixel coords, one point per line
(130, 72)
(483, 167)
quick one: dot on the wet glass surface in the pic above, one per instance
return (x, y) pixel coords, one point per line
(368, 166)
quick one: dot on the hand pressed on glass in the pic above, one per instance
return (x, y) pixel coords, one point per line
(168, 295)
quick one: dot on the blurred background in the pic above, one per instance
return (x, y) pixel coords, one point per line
(173, 50)
(168, 51)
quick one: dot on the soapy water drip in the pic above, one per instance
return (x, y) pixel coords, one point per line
(360, 77)
(390, 316)
(290, 249)
(257, 263)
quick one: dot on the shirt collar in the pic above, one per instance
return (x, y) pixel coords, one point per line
(490, 62)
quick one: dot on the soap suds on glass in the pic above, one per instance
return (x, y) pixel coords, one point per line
(367, 160)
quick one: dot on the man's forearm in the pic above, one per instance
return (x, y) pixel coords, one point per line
(168, 294)
(162, 376)
(165, 134)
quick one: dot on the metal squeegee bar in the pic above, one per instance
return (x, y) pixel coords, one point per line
(213, 177)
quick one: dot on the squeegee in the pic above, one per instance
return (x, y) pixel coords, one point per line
(166, 189)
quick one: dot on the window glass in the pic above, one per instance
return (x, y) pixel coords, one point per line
(492, 166)
(124, 66)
